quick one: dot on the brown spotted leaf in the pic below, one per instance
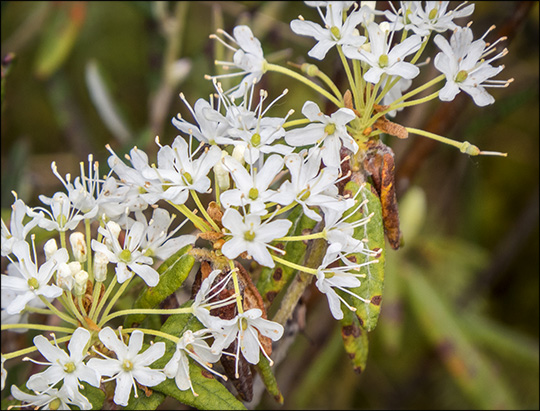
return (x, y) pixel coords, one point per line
(355, 340)
(371, 286)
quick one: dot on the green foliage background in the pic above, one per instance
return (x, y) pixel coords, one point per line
(459, 319)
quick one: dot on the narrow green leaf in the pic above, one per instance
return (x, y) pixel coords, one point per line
(477, 377)
(355, 340)
(371, 288)
(269, 379)
(172, 274)
(272, 280)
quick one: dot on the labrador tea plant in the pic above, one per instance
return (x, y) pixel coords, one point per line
(279, 202)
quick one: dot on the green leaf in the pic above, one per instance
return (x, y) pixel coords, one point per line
(269, 379)
(212, 395)
(476, 377)
(95, 395)
(142, 402)
(272, 280)
(172, 274)
(355, 340)
(372, 285)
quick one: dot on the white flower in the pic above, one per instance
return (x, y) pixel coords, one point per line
(248, 57)
(62, 217)
(251, 189)
(179, 171)
(129, 366)
(129, 255)
(208, 291)
(207, 129)
(335, 31)
(312, 186)
(345, 5)
(249, 128)
(86, 191)
(432, 16)
(341, 277)
(4, 372)
(69, 368)
(157, 242)
(329, 130)
(463, 63)
(191, 344)
(31, 281)
(384, 59)
(245, 329)
(48, 398)
(137, 190)
(249, 234)
(17, 230)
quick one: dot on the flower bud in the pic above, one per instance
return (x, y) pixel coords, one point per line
(222, 175)
(238, 153)
(81, 278)
(115, 230)
(100, 266)
(78, 245)
(50, 248)
(64, 277)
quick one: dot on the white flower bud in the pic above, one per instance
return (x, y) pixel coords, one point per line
(373, 6)
(81, 279)
(100, 266)
(74, 267)
(64, 277)
(115, 230)
(50, 248)
(78, 245)
(238, 153)
(222, 175)
(385, 26)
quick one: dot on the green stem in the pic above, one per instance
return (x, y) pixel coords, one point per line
(357, 69)
(419, 89)
(37, 327)
(184, 310)
(104, 299)
(280, 211)
(298, 267)
(352, 83)
(464, 147)
(60, 314)
(302, 237)
(236, 287)
(197, 221)
(95, 297)
(316, 251)
(298, 122)
(161, 334)
(114, 299)
(405, 104)
(74, 309)
(203, 211)
(28, 350)
(302, 79)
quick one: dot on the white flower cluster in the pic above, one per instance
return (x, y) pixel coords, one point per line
(258, 168)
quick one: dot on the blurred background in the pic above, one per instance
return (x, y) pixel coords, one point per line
(460, 314)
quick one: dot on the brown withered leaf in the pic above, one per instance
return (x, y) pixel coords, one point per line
(214, 211)
(379, 163)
